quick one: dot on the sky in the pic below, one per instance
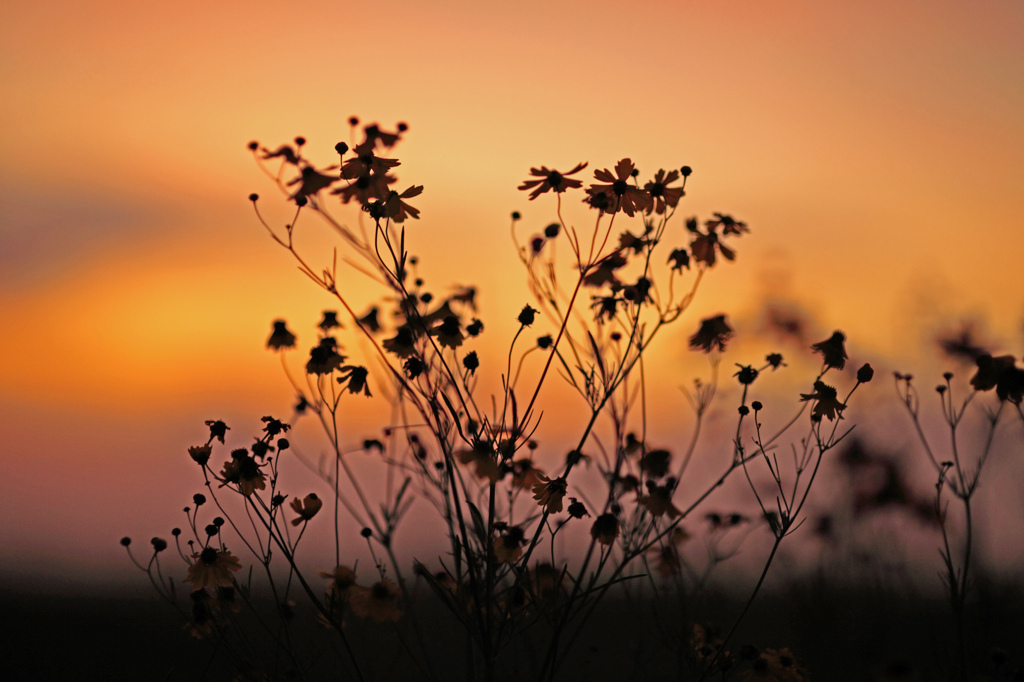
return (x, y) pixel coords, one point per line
(874, 148)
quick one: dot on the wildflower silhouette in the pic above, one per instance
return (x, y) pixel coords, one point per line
(551, 180)
(599, 298)
(833, 350)
(713, 334)
(281, 337)
(213, 568)
(378, 602)
(826, 401)
(617, 194)
(306, 508)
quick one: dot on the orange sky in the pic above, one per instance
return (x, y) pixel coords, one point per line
(876, 150)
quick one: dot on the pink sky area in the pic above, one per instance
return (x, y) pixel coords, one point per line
(876, 150)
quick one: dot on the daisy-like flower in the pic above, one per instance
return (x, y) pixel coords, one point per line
(549, 493)
(484, 464)
(366, 164)
(330, 321)
(365, 188)
(658, 500)
(525, 475)
(211, 568)
(448, 333)
(546, 581)
(662, 195)
(284, 152)
(397, 209)
(832, 350)
(605, 529)
(508, 547)
(679, 259)
(354, 377)
(827, 404)
(403, 343)
(343, 579)
(280, 337)
(713, 333)
(370, 320)
(728, 224)
(655, 463)
(990, 370)
(324, 357)
(619, 193)
(550, 179)
(244, 472)
(604, 272)
(705, 246)
(200, 454)
(378, 603)
(306, 508)
(310, 182)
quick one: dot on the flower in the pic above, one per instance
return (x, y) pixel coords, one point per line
(324, 357)
(703, 248)
(746, 375)
(990, 370)
(212, 569)
(549, 493)
(218, 429)
(306, 508)
(832, 350)
(727, 223)
(509, 545)
(828, 404)
(403, 343)
(713, 332)
(280, 337)
(448, 333)
(310, 182)
(618, 193)
(865, 374)
(527, 316)
(369, 321)
(659, 500)
(395, 207)
(485, 465)
(354, 378)
(330, 321)
(605, 529)
(551, 179)
(661, 194)
(365, 163)
(342, 580)
(244, 472)
(525, 475)
(378, 603)
(655, 463)
(577, 509)
(679, 259)
(200, 454)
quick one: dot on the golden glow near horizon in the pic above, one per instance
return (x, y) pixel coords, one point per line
(875, 150)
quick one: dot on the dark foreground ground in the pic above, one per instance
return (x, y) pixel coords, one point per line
(839, 635)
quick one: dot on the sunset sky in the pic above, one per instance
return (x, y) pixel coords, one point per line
(876, 150)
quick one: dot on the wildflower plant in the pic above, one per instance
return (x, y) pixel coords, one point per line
(600, 296)
(958, 478)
